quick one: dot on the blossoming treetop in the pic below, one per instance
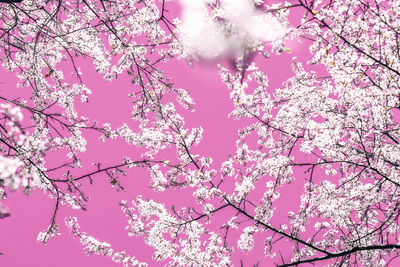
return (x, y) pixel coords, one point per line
(335, 129)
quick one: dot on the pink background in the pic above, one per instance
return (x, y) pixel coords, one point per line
(103, 218)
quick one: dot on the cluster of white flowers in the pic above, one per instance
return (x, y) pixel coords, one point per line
(21, 165)
(51, 231)
(246, 241)
(184, 243)
(8, 173)
(211, 28)
(94, 246)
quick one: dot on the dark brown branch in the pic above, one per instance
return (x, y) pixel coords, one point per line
(342, 254)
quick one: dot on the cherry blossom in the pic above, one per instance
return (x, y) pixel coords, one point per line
(333, 129)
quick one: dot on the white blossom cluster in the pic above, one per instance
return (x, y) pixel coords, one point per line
(94, 246)
(212, 28)
(183, 243)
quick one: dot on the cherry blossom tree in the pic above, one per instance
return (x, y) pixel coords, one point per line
(333, 133)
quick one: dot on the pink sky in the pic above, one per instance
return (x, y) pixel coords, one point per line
(103, 218)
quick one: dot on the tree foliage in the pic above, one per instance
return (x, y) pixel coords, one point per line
(335, 130)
